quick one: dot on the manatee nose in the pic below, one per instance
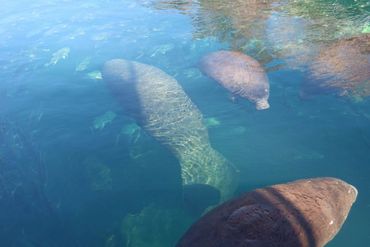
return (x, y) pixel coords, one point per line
(354, 189)
(262, 104)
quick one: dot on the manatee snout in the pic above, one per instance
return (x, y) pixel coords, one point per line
(262, 104)
(354, 190)
(260, 97)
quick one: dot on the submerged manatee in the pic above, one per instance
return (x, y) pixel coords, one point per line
(163, 109)
(343, 67)
(240, 74)
(303, 213)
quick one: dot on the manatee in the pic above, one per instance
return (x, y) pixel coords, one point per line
(240, 74)
(162, 108)
(288, 39)
(302, 213)
(246, 18)
(343, 68)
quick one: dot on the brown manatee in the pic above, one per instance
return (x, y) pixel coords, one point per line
(303, 213)
(240, 74)
(160, 105)
(343, 67)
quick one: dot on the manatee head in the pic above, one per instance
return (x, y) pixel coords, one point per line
(339, 196)
(260, 95)
(262, 104)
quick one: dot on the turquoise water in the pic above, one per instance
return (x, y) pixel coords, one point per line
(78, 170)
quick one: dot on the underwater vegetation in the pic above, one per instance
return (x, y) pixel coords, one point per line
(155, 226)
(101, 121)
(98, 174)
(61, 54)
(24, 202)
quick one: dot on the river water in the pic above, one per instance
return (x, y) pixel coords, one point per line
(77, 169)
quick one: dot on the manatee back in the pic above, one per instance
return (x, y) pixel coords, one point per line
(237, 72)
(160, 103)
(344, 65)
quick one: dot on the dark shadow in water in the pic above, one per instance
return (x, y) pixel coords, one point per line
(26, 215)
(127, 95)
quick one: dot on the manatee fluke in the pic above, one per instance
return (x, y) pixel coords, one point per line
(343, 67)
(162, 108)
(240, 74)
(303, 213)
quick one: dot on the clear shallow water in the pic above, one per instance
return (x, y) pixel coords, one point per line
(78, 171)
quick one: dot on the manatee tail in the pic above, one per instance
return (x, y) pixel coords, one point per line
(208, 167)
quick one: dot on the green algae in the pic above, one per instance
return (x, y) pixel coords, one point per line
(99, 174)
(61, 54)
(83, 65)
(155, 227)
(94, 75)
(103, 120)
(211, 122)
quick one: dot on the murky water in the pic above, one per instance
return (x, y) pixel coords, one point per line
(81, 168)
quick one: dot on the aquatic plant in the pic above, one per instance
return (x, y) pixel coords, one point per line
(155, 226)
(101, 121)
(98, 173)
(22, 190)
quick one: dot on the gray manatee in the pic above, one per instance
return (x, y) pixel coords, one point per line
(162, 108)
(303, 213)
(240, 74)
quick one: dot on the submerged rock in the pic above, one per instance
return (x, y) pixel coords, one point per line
(161, 107)
(303, 213)
(240, 74)
(343, 67)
